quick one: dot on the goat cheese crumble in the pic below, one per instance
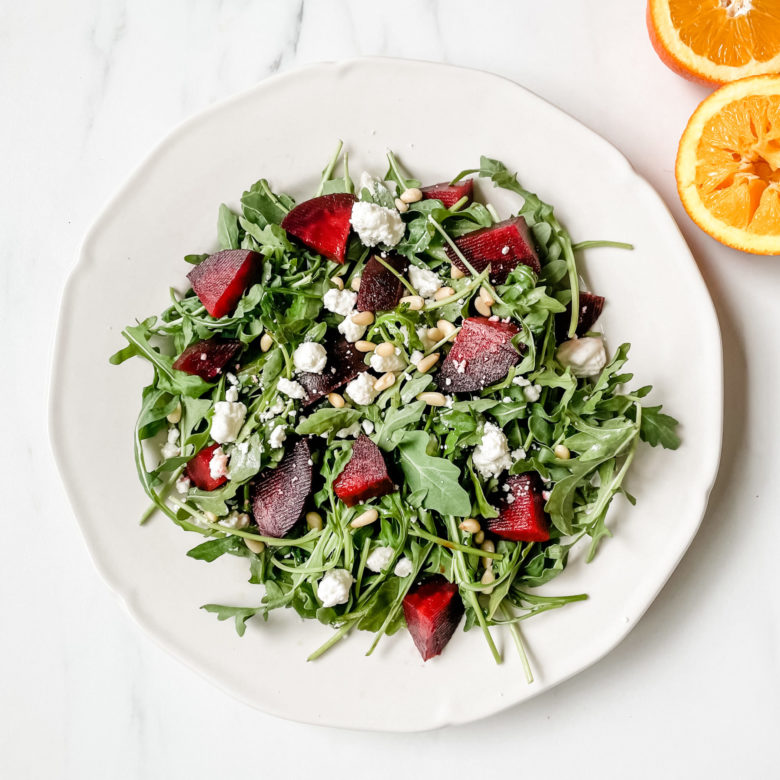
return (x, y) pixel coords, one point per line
(380, 558)
(382, 364)
(290, 388)
(228, 418)
(339, 301)
(376, 224)
(310, 357)
(423, 280)
(333, 588)
(403, 568)
(351, 331)
(361, 389)
(218, 464)
(277, 437)
(491, 455)
(584, 356)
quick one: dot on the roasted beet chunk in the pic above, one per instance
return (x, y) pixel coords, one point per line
(322, 224)
(449, 194)
(344, 364)
(502, 246)
(365, 475)
(380, 289)
(481, 355)
(278, 495)
(199, 471)
(207, 359)
(591, 307)
(521, 515)
(221, 279)
(432, 611)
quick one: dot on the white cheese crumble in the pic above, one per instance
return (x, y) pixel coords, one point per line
(276, 408)
(382, 364)
(310, 357)
(183, 485)
(339, 301)
(218, 464)
(376, 225)
(361, 389)
(351, 331)
(228, 418)
(491, 455)
(349, 433)
(380, 558)
(368, 427)
(416, 357)
(231, 394)
(585, 357)
(532, 392)
(333, 588)
(235, 520)
(403, 568)
(277, 437)
(290, 388)
(518, 454)
(423, 280)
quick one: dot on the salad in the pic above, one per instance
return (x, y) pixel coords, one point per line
(392, 402)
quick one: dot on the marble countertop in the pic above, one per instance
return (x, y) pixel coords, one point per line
(87, 88)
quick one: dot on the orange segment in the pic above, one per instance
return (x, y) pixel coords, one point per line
(716, 40)
(728, 165)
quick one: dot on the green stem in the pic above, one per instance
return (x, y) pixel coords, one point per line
(415, 531)
(594, 244)
(514, 630)
(335, 639)
(394, 167)
(328, 172)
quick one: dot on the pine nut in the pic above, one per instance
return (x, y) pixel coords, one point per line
(384, 381)
(412, 195)
(486, 296)
(432, 399)
(355, 283)
(368, 517)
(479, 537)
(365, 346)
(428, 362)
(456, 273)
(446, 327)
(488, 578)
(266, 342)
(314, 520)
(338, 282)
(562, 452)
(434, 334)
(175, 416)
(363, 317)
(482, 307)
(210, 516)
(401, 206)
(442, 293)
(415, 302)
(488, 546)
(336, 400)
(385, 349)
(470, 526)
(255, 545)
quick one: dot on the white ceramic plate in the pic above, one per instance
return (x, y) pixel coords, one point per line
(284, 129)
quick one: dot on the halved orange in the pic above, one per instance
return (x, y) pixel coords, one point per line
(716, 41)
(728, 165)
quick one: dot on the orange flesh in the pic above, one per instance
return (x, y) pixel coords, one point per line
(738, 168)
(713, 30)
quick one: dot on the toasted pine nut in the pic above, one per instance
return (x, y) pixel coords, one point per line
(401, 206)
(482, 307)
(175, 416)
(336, 400)
(338, 281)
(486, 296)
(428, 362)
(255, 545)
(384, 381)
(456, 273)
(488, 546)
(363, 317)
(365, 346)
(355, 283)
(435, 334)
(432, 399)
(210, 516)
(470, 526)
(415, 302)
(562, 452)
(479, 537)
(314, 520)
(446, 327)
(442, 293)
(488, 578)
(368, 517)
(385, 349)
(266, 342)
(412, 195)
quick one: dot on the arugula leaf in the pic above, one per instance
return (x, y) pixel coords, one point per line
(227, 228)
(658, 428)
(325, 420)
(240, 614)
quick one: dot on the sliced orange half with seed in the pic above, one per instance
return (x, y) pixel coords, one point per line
(716, 41)
(728, 165)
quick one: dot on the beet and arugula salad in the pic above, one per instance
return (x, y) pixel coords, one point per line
(392, 402)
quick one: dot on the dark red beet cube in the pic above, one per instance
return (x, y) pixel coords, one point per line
(432, 611)
(207, 359)
(199, 472)
(344, 364)
(449, 194)
(322, 224)
(365, 475)
(502, 246)
(380, 289)
(279, 494)
(521, 515)
(591, 307)
(221, 279)
(481, 355)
